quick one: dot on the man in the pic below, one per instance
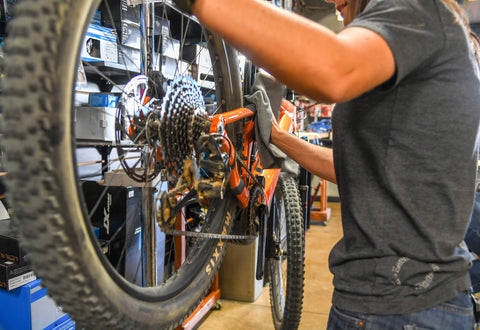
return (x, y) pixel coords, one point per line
(405, 131)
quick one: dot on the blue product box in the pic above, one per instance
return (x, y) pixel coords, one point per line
(100, 44)
(97, 18)
(102, 100)
(69, 324)
(322, 126)
(30, 308)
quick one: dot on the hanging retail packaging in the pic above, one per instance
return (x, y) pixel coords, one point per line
(100, 44)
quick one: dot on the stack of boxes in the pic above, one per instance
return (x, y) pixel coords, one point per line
(25, 303)
(100, 43)
(15, 271)
(125, 20)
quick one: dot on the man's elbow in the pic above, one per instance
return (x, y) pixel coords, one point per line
(334, 91)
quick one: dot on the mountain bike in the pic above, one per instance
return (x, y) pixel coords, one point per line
(127, 224)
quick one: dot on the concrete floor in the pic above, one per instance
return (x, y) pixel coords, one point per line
(320, 239)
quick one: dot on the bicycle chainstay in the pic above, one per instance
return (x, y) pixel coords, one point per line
(209, 235)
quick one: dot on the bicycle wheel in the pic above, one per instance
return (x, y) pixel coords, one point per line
(82, 211)
(287, 268)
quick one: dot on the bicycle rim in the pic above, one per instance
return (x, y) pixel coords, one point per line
(287, 271)
(58, 181)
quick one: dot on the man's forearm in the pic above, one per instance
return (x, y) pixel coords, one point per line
(317, 160)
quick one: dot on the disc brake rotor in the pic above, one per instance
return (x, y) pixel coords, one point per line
(135, 139)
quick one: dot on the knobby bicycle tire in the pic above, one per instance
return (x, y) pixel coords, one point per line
(287, 273)
(44, 184)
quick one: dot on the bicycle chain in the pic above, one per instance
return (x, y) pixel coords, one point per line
(208, 235)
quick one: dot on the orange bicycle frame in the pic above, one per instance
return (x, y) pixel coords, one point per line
(240, 180)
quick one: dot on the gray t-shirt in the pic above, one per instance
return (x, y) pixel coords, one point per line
(405, 159)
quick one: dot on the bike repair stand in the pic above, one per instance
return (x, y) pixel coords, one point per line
(208, 303)
(323, 213)
(210, 300)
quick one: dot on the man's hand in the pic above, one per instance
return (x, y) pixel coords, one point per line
(184, 5)
(276, 130)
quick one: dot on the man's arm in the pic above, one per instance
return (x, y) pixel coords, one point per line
(300, 53)
(317, 160)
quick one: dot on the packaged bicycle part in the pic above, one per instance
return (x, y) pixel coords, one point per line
(118, 11)
(100, 44)
(102, 100)
(95, 123)
(129, 34)
(15, 274)
(129, 58)
(113, 208)
(30, 307)
(9, 244)
(97, 18)
(170, 47)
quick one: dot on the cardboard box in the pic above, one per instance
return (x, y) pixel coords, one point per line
(162, 26)
(100, 44)
(10, 249)
(237, 275)
(30, 308)
(203, 57)
(170, 47)
(95, 123)
(130, 35)
(168, 66)
(14, 275)
(118, 11)
(119, 207)
(126, 20)
(112, 209)
(129, 58)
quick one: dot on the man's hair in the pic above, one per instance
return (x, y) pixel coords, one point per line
(452, 4)
(462, 19)
(361, 4)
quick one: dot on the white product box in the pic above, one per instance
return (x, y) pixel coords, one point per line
(95, 123)
(170, 47)
(100, 44)
(205, 77)
(168, 66)
(129, 58)
(130, 34)
(203, 56)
